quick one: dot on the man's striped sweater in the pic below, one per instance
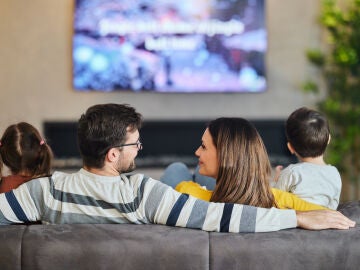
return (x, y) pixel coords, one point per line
(84, 197)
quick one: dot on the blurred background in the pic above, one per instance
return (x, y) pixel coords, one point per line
(36, 84)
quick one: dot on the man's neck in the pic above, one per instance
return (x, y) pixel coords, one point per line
(102, 171)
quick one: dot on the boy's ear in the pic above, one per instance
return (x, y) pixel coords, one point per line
(329, 138)
(291, 149)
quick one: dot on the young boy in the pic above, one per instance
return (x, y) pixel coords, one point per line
(311, 179)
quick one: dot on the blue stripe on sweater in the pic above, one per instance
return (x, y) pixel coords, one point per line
(15, 206)
(175, 211)
(225, 219)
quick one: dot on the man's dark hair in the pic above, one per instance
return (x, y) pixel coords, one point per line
(308, 132)
(102, 127)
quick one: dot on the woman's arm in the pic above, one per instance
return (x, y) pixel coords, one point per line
(286, 200)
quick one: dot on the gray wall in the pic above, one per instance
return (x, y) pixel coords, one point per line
(35, 69)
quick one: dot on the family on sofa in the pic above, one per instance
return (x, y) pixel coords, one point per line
(232, 152)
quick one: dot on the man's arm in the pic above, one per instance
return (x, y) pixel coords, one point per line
(21, 205)
(163, 205)
(169, 207)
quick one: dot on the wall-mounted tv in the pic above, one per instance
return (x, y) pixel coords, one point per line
(169, 46)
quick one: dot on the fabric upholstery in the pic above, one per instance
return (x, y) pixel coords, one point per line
(289, 249)
(127, 246)
(351, 210)
(114, 246)
(10, 246)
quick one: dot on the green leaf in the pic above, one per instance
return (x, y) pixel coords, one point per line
(310, 87)
(316, 57)
(339, 66)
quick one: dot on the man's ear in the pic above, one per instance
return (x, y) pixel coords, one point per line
(291, 148)
(112, 154)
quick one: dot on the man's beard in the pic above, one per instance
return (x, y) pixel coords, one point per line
(131, 167)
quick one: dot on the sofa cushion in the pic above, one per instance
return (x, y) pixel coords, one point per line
(112, 246)
(288, 249)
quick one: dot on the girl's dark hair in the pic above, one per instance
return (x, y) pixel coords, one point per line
(24, 151)
(244, 166)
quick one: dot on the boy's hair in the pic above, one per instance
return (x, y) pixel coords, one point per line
(102, 127)
(244, 166)
(24, 151)
(308, 132)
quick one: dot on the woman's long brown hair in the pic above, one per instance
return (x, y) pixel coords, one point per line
(244, 166)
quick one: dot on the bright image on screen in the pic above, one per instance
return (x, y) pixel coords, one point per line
(169, 46)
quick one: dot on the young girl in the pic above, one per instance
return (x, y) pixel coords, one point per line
(234, 154)
(25, 153)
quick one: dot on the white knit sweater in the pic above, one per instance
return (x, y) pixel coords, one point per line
(83, 197)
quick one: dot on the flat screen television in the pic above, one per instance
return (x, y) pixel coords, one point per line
(169, 46)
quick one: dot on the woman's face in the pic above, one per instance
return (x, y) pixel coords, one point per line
(208, 162)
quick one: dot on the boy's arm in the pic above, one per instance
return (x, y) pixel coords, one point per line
(286, 180)
(286, 200)
(277, 173)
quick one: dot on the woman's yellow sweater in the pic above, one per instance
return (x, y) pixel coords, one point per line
(284, 200)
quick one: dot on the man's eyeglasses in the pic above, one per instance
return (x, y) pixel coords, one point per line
(138, 145)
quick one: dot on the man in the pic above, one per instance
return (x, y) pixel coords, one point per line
(109, 141)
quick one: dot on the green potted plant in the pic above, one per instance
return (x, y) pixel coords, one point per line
(339, 67)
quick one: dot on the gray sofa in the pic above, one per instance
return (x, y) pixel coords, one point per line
(111, 246)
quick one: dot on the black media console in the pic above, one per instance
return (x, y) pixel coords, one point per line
(165, 142)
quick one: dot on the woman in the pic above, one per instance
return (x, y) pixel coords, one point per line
(25, 153)
(233, 153)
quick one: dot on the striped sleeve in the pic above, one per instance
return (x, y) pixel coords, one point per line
(18, 205)
(171, 208)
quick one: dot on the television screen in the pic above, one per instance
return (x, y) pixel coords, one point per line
(169, 46)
